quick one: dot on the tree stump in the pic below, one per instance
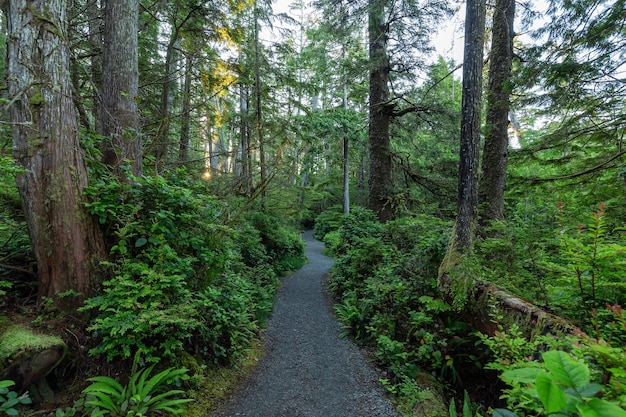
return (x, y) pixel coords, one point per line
(26, 357)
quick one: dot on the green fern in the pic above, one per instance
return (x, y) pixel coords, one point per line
(142, 396)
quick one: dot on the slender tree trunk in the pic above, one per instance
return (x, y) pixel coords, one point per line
(471, 104)
(120, 113)
(258, 98)
(346, 145)
(495, 150)
(66, 241)
(162, 142)
(246, 156)
(185, 132)
(96, 30)
(380, 113)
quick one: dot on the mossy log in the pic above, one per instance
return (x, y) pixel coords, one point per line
(488, 300)
(483, 301)
(26, 357)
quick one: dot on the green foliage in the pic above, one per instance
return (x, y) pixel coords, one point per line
(385, 276)
(591, 271)
(180, 280)
(9, 399)
(559, 386)
(467, 410)
(328, 221)
(144, 309)
(14, 241)
(284, 247)
(142, 396)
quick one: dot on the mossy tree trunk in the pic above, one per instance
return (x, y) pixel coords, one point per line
(471, 105)
(65, 240)
(120, 87)
(495, 149)
(380, 113)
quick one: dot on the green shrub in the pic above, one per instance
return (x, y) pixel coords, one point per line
(9, 399)
(560, 386)
(385, 276)
(181, 280)
(327, 221)
(284, 246)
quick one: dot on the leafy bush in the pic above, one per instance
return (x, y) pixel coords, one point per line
(327, 221)
(9, 399)
(284, 247)
(181, 280)
(558, 386)
(385, 276)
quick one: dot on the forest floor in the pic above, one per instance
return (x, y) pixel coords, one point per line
(308, 369)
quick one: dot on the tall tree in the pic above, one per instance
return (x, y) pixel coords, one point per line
(65, 240)
(495, 150)
(380, 113)
(95, 28)
(471, 105)
(120, 89)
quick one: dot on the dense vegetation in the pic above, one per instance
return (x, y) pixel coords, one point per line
(158, 159)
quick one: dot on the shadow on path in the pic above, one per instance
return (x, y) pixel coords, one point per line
(308, 370)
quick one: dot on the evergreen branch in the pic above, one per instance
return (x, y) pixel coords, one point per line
(592, 170)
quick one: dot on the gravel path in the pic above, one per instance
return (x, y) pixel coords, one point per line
(308, 370)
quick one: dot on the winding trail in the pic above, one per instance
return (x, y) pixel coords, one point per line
(308, 370)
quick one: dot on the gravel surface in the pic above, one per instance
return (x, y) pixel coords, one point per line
(308, 370)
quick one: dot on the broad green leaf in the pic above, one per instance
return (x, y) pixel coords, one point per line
(522, 375)
(589, 391)
(6, 383)
(551, 395)
(501, 412)
(600, 408)
(566, 370)
(141, 242)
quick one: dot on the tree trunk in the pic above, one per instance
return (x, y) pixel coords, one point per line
(185, 131)
(495, 151)
(346, 146)
(380, 112)
(471, 104)
(96, 29)
(162, 141)
(258, 98)
(245, 150)
(66, 241)
(120, 90)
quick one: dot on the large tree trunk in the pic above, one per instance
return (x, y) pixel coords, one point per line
(64, 238)
(380, 113)
(471, 104)
(120, 90)
(495, 151)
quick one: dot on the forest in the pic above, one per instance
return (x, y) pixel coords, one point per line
(159, 160)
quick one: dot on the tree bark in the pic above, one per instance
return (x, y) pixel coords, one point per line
(471, 104)
(258, 98)
(185, 131)
(66, 241)
(96, 27)
(120, 90)
(495, 150)
(380, 113)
